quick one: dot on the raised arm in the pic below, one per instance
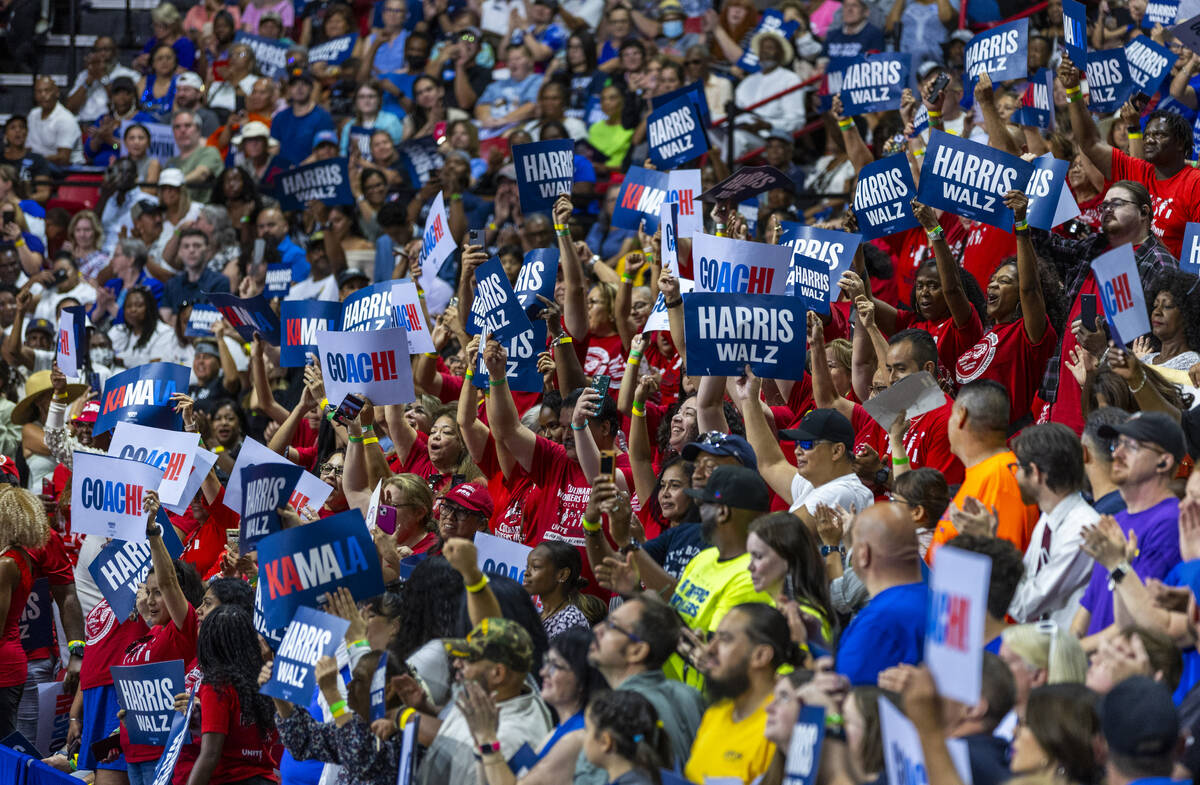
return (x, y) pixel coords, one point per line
(824, 394)
(1087, 136)
(164, 568)
(575, 294)
(474, 433)
(481, 603)
(856, 149)
(710, 405)
(952, 288)
(997, 131)
(772, 463)
(262, 385)
(506, 425)
(668, 284)
(1033, 307)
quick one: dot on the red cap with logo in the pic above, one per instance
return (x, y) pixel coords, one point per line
(89, 412)
(8, 468)
(472, 497)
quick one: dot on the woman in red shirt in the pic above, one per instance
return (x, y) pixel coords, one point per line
(23, 528)
(441, 458)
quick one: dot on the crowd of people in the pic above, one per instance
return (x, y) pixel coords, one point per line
(708, 556)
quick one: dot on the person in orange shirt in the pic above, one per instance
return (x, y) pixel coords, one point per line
(978, 436)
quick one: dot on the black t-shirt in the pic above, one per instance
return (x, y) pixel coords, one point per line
(29, 166)
(478, 76)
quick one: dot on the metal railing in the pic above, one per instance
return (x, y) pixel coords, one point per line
(732, 110)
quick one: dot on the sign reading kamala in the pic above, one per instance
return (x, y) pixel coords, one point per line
(311, 491)
(334, 51)
(723, 264)
(310, 636)
(248, 316)
(1075, 31)
(107, 495)
(496, 309)
(641, 195)
(874, 83)
(836, 249)
(676, 133)
(171, 452)
(522, 371)
(1121, 292)
(301, 320)
(302, 565)
(538, 275)
(883, 197)
(544, 171)
(374, 364)
(1000, 51)
(143, 395)
(970, 179)
(746, 183)
(1036, 109)
(147, 694)
(1108, 79)
(271, 55)
(727, 332)
(266, 488)
(1149, 63)
(121, 567)
(325, 181)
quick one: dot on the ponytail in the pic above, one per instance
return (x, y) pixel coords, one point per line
(636, 730)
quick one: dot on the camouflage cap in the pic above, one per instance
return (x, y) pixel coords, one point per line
(500, 640)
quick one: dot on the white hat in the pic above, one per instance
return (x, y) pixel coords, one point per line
(254, 129)
(189, 79)
(171, 177)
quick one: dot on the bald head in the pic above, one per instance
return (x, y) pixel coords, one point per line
(885, 547)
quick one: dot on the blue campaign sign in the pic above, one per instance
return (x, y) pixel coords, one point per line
(1036, 107)
(970, 179)
(1189, 257)
(832, 249)
(310, 636)
(379, 688)
(324, 181)
(746, 183)
(812, 283)
(179, 734)
(421, 158)
(142, 395)
(273, 637)
(1075, 31)
(300, 321)
(496, 309)
(299, 566)
(545, 170)
(538, 275)
(771, 20)
(883, 197)
(523, 351)
(1160, 12)
(201, 320)
(1000, 51)
(874, 83)
(1149, 63)
(727, 332)
(147, 694)
(1108, 80)
(641, 195)
(370, 308)
(265, 488)
(17, 742)
(1044, 190)
(271, 55)
(695, 91)
(37, 617)
(804, 751)
(248, 316)
(333, 52)
(121, 567)
(279, 280)
(676, 133)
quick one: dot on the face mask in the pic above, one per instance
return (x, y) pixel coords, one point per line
(807, 46)
(673, 28)
(767, 65)
(101, 355)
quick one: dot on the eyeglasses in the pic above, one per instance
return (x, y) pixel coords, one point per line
(467, 38)
(897, 499)
(1131, 445)
(1112, 204)
(809, 444)
(610, 624)
(329, 468)
(455, 513)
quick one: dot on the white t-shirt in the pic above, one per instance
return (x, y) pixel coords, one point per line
(60, 129)
(847, 490)
(96, 104)
(83, 291)
(116, 216)
(159, 347)
(308, 289)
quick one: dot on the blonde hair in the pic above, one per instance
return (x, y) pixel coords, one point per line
(166, 14)
(416, 491)
(1049, 647)
(23, 519)
(97, 228)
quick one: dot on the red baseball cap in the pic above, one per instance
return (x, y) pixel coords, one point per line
(89, 412)
(9, 467)
(472, 497)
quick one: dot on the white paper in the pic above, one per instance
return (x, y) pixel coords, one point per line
(173, 452)
(958, 593)
(310, 489)
(348, 358)
(912, 396)
(201, 466)
(497, 554)
(658, 318)
(670, 237)
(723, 264)
(683, 186)
(115, 491)
(373, 506)
(903, 758)
(67, 349)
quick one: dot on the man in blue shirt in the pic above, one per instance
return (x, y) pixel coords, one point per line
(273, 229)
(297, 126)
(890, 629)
(856, 37)
(196, 280)
(507, 102)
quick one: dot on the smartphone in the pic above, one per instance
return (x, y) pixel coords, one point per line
(1140, 101)
(231, 538)
(385, 518)
(475, 237)
(607, 463)
(60, 276)
(10, 216)
(939, 86)
(102, 748)
(239, 103)
(453, 301)
(1087, 311)
(789, 587)
(349, 408)
(600, 383)
(94, 381)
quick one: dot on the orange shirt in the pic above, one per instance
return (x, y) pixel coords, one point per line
(215, 137)
(994, 484)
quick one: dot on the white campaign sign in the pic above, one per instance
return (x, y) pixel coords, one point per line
(497, 554)
(310, 491)
(912, 396)
(201, 466)
(374, 364)
(436, 249)
(68, 350)
(903, 758)
(407, 302)
(723, 264)
(1121, 289)
(173, 452)
(107, 496)
(658, 318)
(684, 188)
(958, 593)
(373, 506)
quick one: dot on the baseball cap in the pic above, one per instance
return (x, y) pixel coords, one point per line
(89, 412)
(122, 83)
(207, 347)
(254, 129)
(350, 274)
(734, 486)
(300, 74)
(274, 16)
(822, 425)
(8, 469)
(189, 79)
(1139, 718)
(1154, 427)
(147, 204)
(324, 137)
(670, 7)
(40, 325)
(717, 443)
(499, 640)
(471, 497)
(778, 132)
(926, 68)
(171, 177)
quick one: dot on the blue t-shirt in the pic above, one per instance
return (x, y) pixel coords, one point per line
(1187, 574)
(838, 44)
(888, 631)
(296, 134)
(508, 95)
(553, 36)
(117, 287)
(294, 256)
(185, 50)
(675, 547)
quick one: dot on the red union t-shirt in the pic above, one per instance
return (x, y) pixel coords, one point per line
(927, 443)
(247, 750)
(952, 341)
(986, 247)
(164, 643)
(107, 638)
(910, 248)
(1005, 355)
(1176, 199)
(52, 562)
(602, 355)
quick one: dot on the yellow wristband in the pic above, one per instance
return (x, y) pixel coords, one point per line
(1134, 135)
(565, 339)
(218, 449)
(1073, 90)
(637, 411)
(20, 243)
(324, 403)
(405, 716)
(370, 440)
(475, 588)
(588, 526)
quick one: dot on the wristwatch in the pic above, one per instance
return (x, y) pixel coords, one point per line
(828, 549)
(1117, 574)
(631, 546)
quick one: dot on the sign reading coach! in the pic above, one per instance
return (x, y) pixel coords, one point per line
(143, 395)
(107, 495)
(642, 194)
(171, 452)
(310, 636)
(325, 181)
(970, 179)
(1121, 290)
(374, 364)
(874, 83)
(147, 694)
(723, 264)
(409, 314)
(1075, 30)
(958, 593)
(883, 197)
(266, 487)
(676, 133)
(726, 332)
(544, 170)
(300, 566)
(300, 321)
(1000, 52)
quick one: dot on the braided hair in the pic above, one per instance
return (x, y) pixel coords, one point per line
(228, 654)
(633, 724)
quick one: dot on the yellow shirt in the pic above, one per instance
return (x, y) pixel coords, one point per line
(724, 748)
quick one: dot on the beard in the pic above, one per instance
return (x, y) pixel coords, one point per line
(730, 686)
(708, 528)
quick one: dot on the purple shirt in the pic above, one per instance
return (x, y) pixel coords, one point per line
(1158, 551)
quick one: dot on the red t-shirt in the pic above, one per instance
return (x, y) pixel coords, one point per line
(986, 247)
(511, 495)
(165, 642)
(952, 341)
(1067, 407)
(204, 543)
(417, 462)
(51, 562)
(1006, 355)
(13, 663)
(602, 355)
(927, 443)
(910, 248)
(1176, 199)
(247, 750)
(106, 639)
(1089, 211)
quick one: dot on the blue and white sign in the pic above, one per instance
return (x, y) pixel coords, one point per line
(747, 183)
(684, 188)
(273, 637)
(326, 181)
(545, 170)
(1050, 202)
(311, 635)
(1121, 291)
(334, 51)
(970, 179)
(724, 264)
(675, 132)
(410, 314)
(495, 309)
(370, 308)
(1161, 12)
(771, 20)
(804, 750)
(201, 320)
(1149, 63)
(270, 54)
(668, 221)
(1189, 257)
(421, 158)
(538, 275)
(1036, 107)
(883, 197)
(279, 280)
(107, 495)
(266, 487)
(300, 321)
(248, 316)
(437, 242)
(374, 364)
(874, 83)
(498, 555)
(300, 566)
(379, 688)
(957, 610)
(165, 767)
(695, 91)
(834, 249)
(143, 395)
(523, 351)
(121, 567)
(1108, 80)
(162, 139)
(311, 491)
(1188, 33)
(659, 319)
(147, 694)
(1075, 31)
(812, 283)
(71, 323)
(640, 198)
(726, 332)
(1000, 52)
(171, 452)
(36, 625)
